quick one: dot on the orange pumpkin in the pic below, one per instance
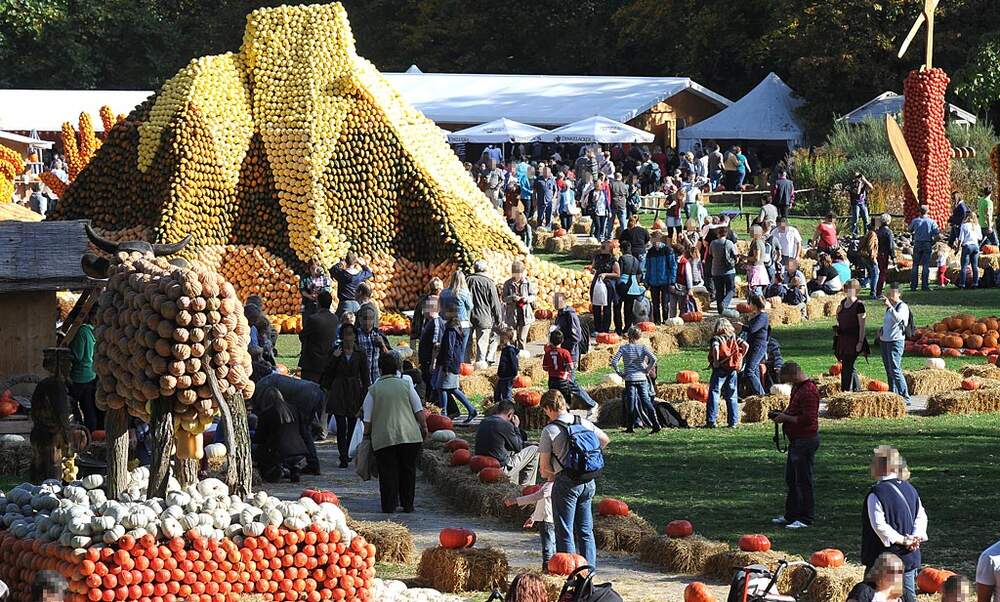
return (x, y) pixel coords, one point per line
(755, 543)
(941, 327)
(658, 224)
(528, 398)
(992, 323)
(687, 376)
(692, 316)
(989, 249)
(543, 314)
(491, 475)
(461, 457)
(646, 327)
(990, 341)
(829, 558)
(477, 463)
(521, 382)
(698, 392)
(437, 422)
(698, 592)
(466, 369)
(559, 232)
(612, 507)
(967, 321)
(974, 341)
(454, 539)
(564, 563)
(953, 341)
(456, 444)
(679, 529)
(281, 369)
(744, 308)
(932, 351)
(950, 353)
(608, 338)
(878, 386)
(979, 328)
(969, 384)
(836, 369)
(930, 580)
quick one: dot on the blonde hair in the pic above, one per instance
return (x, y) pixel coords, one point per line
(517, 267)
(458, 284)
(724, 328)
(853, 284)
(756, 231)
(553, 400)
(435, 285)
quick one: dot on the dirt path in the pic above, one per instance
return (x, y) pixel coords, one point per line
(636, 582)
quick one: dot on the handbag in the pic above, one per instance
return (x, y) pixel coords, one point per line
(364, 463)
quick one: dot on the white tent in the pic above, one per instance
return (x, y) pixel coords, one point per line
(766, 113)
(597, 129)
(499, 130)
(414, 69)
(890, 103)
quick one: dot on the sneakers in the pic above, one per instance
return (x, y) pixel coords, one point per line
(779, 520)
(797, 525)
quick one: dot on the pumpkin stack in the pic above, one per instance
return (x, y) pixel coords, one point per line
(924, 131)
(958, 334)
(11, 166)
(299, 146)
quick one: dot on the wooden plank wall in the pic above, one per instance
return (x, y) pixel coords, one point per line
(41, 255)
(27, 326)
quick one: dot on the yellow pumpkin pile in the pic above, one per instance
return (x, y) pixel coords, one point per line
(11, 166)
(300, 147)
(159, 329)
(255, 271)
(286, 324)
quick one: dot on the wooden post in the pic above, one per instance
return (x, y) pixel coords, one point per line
(161, 424)
(239, 476)
(116, 427)
(187, 471)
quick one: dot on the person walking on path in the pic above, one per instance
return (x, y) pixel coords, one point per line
(987, 216)
(561, 441)
(757, 258)
(486, 313)
(891, 339)
(434, 288)
(724, 257)
(319, 332)
(661, 276)
(783, 194)
(868, 255)
(396, 423)
(924, 231)
(969, 238)
(768, 211)
(558, 364)
(726, 357)
(458, 294)
(449, 364)
(500, 436)
(519, 295)
(545, 193)
(619, 205)
(637, 360)
(800, 423)
(858, 191)
(894, 519)
(346, 380)
(311, 285)
(348, 274)
(849, 339)
(886, 251)
(756, 332)
(715, 160)
(542, 520)
(507, 367)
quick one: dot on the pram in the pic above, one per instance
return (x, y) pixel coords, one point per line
(579, 587)
(755, 583)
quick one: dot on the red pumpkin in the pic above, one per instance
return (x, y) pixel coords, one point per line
(8, 405)
(559, 232)
(829, 558)
(438, 422)
(521, 382)
(692, 316)
(612, 507)
(679, 529)
(755, 543)
(461, 457)
(543, 314)
(466, 369)
(563, 563)
(698, 592)
(744, 308)
(98, 435)
(989, 249)
(949, 352)
(932, 351)
(930, 580)
(528, 398)
(687, 377)
(646, 327)
(878, 386)
(454, 539)
(608, 338)
(698, 392)
(491, 475)
(529, 489)
(477, 463)
(320, 496)
(456, 444)
(969, 384)
(836, 369)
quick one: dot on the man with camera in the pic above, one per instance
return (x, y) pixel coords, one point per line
(800, 423)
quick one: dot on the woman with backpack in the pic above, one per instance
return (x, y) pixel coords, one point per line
(725, 356)
(629, 288)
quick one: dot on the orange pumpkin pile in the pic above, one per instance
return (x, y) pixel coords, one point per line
(962, 333)
(285, 324)
(8, 405)
(11, 166)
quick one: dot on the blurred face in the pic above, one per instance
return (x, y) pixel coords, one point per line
(450, 312)
(367, 321)
(348, 339)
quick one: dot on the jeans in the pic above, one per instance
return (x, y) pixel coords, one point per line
(661, 302)
(799, 501)
(639, 410)
(569, 389)
(397, 475)
(970, 256)
(566, 221)
(892, 358)
(345, 431)
(725, 288)
(504, 391)
(751, 370)
(486, 344)
(547, 533)
(620, 215)
(910, 585)
(858, 211)
(458, 395)
(714, 178)
(466, 337)
(871, 266)
(741, 177)
(347, 305)
(723, 382)
(624, 313)
(602, 317)
(921, 265)
(574, 517)
(849, 379)
(600, 227)
(545, 214)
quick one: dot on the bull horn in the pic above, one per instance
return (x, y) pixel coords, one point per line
(101, 243)
(160, 250)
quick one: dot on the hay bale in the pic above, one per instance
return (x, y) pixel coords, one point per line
(15, 459)
(694, 412)
(611, 413)
(756, 407)
(831, 304)
(466, 570)
(672, 392)
(581, 226)
(989, 261)
(696, 334)
(621, 533)
(830, 385)
(964, 402)
(532, 368)
(585, 249)
(538, 332)
(867, 404)
(783, 313)
(662, 343)
(807, 266)
(830, 583)
(929, 381)
(531, 418)
(540, 238)
(392, 541)
(606, 392)
(815, 308)
(476, 385)
(597, 358)
(703, 299)
(687, 555)
(981, 370)
(559, 244)
(723, 566)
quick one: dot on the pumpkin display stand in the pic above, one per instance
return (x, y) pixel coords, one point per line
(960, 401)
(463, 570)
(686, 555)
(621, 533)
(929, 381)
(867, 404)
(724, 565)
(392, 541)
(756, 407)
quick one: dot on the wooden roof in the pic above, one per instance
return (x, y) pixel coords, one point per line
(42, 256)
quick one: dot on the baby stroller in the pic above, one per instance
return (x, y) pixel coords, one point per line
(578, 588)
(755, 583)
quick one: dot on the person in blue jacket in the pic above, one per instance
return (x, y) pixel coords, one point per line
(449, 363)
(661, 275)
(756, 332)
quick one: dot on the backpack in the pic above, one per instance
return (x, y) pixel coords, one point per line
(581, 588)
(668, 415)
(730, 355)
(910, 330)
(584, 458)
(728, 260)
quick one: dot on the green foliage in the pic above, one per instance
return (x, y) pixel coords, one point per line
(978, 82)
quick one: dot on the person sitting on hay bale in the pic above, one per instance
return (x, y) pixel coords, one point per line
(558, 363)
(800, 423)
(541, 518)
(500, 436)
(891, 339)
(883, 582)
(774, 361)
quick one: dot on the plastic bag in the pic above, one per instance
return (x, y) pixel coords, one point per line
(364, 463)
(356, 438)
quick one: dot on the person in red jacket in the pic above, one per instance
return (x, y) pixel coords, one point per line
(800, 423)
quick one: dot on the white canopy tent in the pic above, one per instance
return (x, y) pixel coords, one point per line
(501, 131)
(890, 103)
(597, 129)
(766, 113)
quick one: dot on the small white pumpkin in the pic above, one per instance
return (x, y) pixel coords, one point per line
(215, 450)
(614, 379)
(171, 528)
(784, 390)
(272, 516)
(113, 534)
(934, 363)
(675, 321)
(296, 522)
(93, 481)
(442, 436)
(101, 523)
(12, 440)
(253, 529)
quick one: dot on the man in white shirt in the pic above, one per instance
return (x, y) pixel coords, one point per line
(988, 575)
(789, 241)
(892, 340)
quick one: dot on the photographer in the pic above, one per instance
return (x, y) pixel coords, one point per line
(800, 423)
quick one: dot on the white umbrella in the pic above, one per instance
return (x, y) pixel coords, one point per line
(501, 130)
(597, 129)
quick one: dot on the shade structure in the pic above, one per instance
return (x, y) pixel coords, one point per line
(597, 129)
(890, 103)
(497, 131)
(766, 113)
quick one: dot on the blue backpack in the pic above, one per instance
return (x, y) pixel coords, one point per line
(584, 458)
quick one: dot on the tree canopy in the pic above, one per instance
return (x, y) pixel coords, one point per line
(836, 55)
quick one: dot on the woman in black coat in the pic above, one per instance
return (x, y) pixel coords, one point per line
(279, 446)
(346, 380)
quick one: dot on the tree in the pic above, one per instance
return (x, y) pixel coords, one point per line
(978, 82)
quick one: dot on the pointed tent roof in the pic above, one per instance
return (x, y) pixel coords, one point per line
(597, 129)
(766, 113)
(413, 69)
(890, 103)
(499, 130)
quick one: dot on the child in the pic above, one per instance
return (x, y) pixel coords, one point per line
(541, 518)
(370, 340)
(943, 252)
(637, 361)
(956, 589)
(507, 368)
(558, 363)
(347, 319)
